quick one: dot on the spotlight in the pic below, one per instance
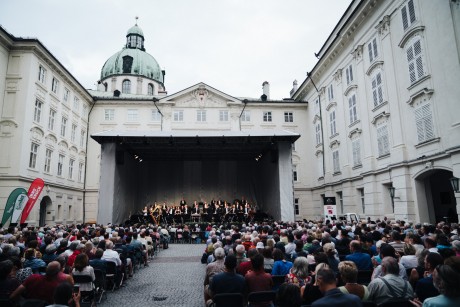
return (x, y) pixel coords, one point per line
(136, 156)
(140, 160)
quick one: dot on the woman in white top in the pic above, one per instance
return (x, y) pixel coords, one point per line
(81, 267)
(409, 260)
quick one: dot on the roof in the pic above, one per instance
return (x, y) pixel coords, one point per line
(135, 30)
(203, 145)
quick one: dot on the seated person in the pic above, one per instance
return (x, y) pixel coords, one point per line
(349, 275)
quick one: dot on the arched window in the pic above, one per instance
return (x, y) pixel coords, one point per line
(150, 89)
(126, 87)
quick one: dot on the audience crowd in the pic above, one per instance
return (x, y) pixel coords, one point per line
(368, 263)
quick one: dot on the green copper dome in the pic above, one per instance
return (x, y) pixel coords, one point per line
(135, 30)
(132, 59)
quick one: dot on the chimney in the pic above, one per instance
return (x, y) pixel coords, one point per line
(266, 89)
(294, 87)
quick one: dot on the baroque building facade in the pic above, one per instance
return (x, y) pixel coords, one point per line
(377, 113)
(383, 102)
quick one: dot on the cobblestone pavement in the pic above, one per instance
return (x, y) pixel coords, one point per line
(174, 278)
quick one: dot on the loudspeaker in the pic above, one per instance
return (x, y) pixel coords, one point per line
(120, 157)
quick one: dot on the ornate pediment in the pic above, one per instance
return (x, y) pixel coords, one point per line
(51, 138)
(37, 133)
(201, 96)
(73, 150)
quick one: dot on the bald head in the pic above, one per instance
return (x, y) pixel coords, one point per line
(53, 268)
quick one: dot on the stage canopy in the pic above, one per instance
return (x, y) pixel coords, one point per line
(139, 168)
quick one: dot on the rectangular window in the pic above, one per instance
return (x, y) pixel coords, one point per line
(288, 117)
(330, 92)
(82, 137)
(320, 165)
(352, 108)
(408, 14)
(296, 206)
(201, 115)
(415, 60)
(267, 116)
(66, 94)
(156, 115)
(349, 74)
(335, 161)
(73, 133)
(60, 165)
(48, 154)
(133, 115)
(109, 114)
(372, 48)
(84, 112)
(424, 123)
(318, 133)
(51, 119)
(356, 148)
(71, 163)
(76, 104)
(42, 74)
(377, 90)
(246, 116)
(317, 106)
(294, 172)
(63, 126)
(33, 155)
(80, 171)
(179, 116)
(340, 198)
(382, 140)
(55, 85)
(223, 115)
(361, 195)
(332, 123)
(38, 110)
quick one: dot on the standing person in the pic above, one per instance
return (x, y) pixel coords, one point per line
(227, 281)
(325, 278)
(391, 286)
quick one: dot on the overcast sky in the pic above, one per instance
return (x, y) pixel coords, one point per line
(232, 45)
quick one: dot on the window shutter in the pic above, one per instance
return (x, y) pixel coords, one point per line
(411, 7)
(347, 73)
(410, 59)
(350, 106)
(418, 58)
(404, 18)
(374, 44)
(382, 140)
(379, 87)
(369, 47)
(351, 73)
(374, 91)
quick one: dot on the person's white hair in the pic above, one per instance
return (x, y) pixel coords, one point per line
(240, 249)
(219, 253)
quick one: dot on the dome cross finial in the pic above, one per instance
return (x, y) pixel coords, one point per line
(137, 17)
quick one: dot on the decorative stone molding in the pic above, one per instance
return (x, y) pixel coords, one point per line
(380, 116)
(322, 91)
(334, 144)
(316, 118)
(338, 75)
(51, 138)
(318, 152)
(384, 26)
(37, 133)
(375, 65)
(12, 85)
(349, 89)
(409, 34)
(331, 105)
(63, 145)
(201, 94)
(423, 92)
(353, 132)
(357, 53)
(73, 150)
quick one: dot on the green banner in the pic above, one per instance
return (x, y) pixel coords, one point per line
(9, 207)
